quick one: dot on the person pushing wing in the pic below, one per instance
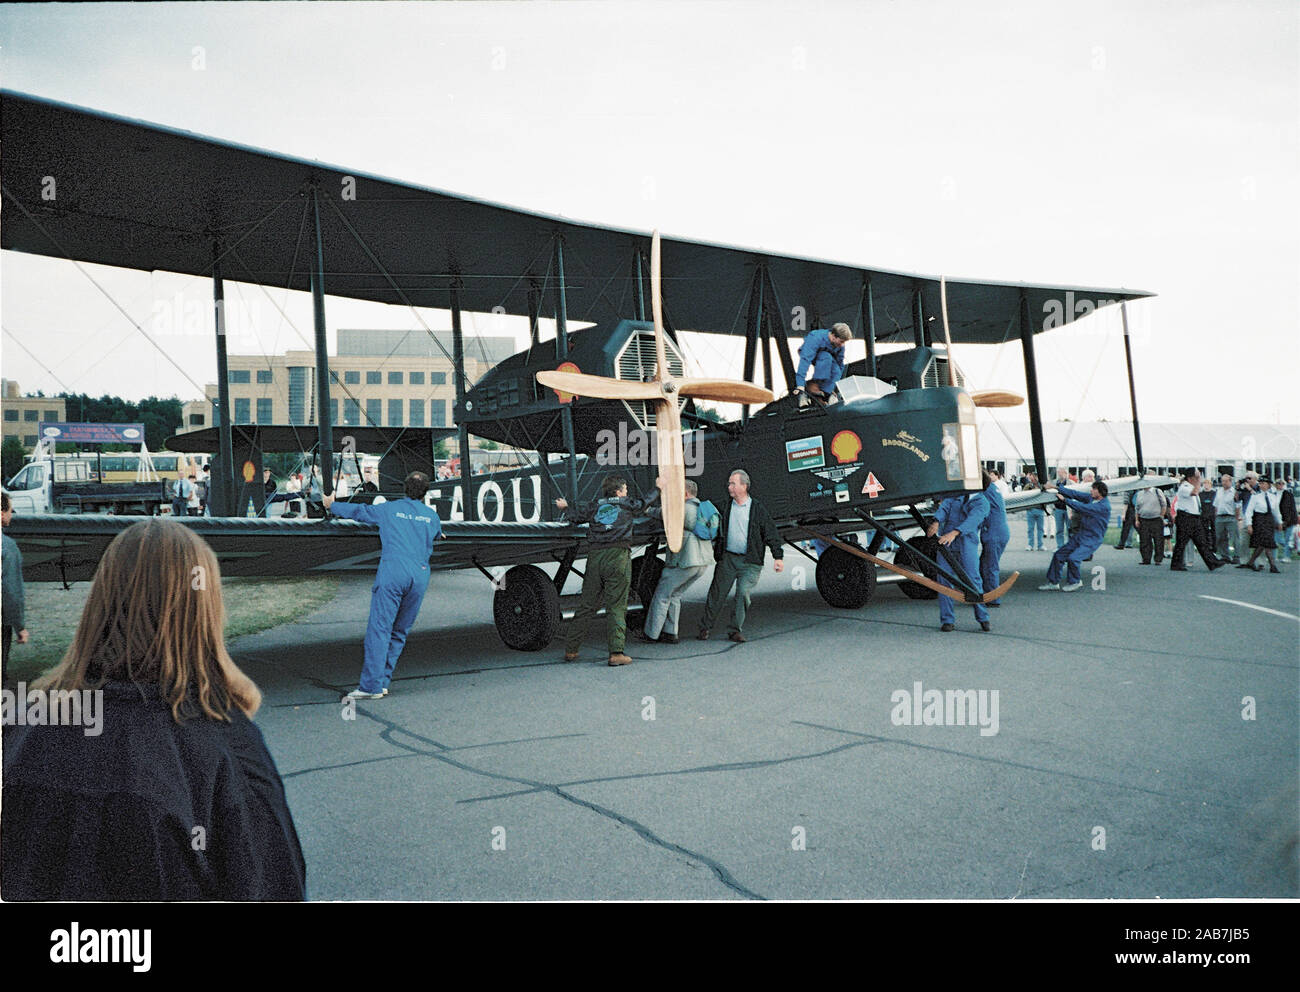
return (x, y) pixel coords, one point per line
(407, 529)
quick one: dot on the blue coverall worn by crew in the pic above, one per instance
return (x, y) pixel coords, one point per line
(966, 515)
(994, 537)
(826, 359)
(407, 530)
(1092, 520)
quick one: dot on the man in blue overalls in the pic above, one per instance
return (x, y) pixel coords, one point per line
(1093, 518)
(407, 530)
(994, 537)
(957, 522)
(823, 352)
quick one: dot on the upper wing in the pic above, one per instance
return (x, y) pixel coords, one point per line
(144, 196)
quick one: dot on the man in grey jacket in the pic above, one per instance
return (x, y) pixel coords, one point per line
(681, 570)
(14, 594)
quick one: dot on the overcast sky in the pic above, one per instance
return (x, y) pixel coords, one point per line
(1112, 144)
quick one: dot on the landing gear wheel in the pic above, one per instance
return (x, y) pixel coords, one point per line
(928, 546)
(526, 609)
(845, 580)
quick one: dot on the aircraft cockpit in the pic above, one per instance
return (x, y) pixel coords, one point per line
(863, 389)
(853, 390)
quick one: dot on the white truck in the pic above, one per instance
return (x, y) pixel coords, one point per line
(47, 484)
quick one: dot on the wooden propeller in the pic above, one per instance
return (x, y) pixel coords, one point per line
(997, 397)
(663, 392)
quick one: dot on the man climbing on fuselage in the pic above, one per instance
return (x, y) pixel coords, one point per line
(823, 352)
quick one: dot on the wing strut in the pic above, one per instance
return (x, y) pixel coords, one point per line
(225, 477)
(468, 505)
(1031, 388)
(1132, 390)
(561, 356)
(326, 427)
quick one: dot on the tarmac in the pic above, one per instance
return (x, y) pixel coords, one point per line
(1146, 745)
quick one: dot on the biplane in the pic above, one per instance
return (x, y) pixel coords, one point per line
(92, 187)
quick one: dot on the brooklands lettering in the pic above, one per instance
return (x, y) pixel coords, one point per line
(905, 440)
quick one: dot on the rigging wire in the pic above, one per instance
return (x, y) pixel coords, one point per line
(37, 360)
(107, 295)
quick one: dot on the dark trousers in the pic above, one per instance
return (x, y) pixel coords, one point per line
(1130, 518)
(605, 583)
(4, 665)
(1190, 529)
(731, 569)
(1151, 535)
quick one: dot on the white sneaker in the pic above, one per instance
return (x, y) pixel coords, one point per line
(1072, 586)
(359, 694)
(1053, 586)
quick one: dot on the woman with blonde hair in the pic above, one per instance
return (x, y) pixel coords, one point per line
(167, 791)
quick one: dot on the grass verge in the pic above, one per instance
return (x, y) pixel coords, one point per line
(252, 605)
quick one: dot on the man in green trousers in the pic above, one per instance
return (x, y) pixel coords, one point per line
(609, 563)
(747, 531)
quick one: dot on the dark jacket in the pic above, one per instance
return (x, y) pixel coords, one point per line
(147, 810)
(14, 594)
(762, 531)
(1207, 505)
(1286, 506)
(611, 519)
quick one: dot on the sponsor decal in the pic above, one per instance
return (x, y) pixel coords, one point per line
(838, 473)
(840, 492)
(846, 446)
(805, 453)
(905, 440)
(871, 487)
(565, 367)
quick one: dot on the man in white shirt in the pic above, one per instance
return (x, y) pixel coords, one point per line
(1226, 512)
(1187, 521)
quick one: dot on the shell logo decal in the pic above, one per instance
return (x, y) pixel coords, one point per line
(565, 367)
(846, 446)
(249, 471)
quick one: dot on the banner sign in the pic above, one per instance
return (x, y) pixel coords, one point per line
(92, 433)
